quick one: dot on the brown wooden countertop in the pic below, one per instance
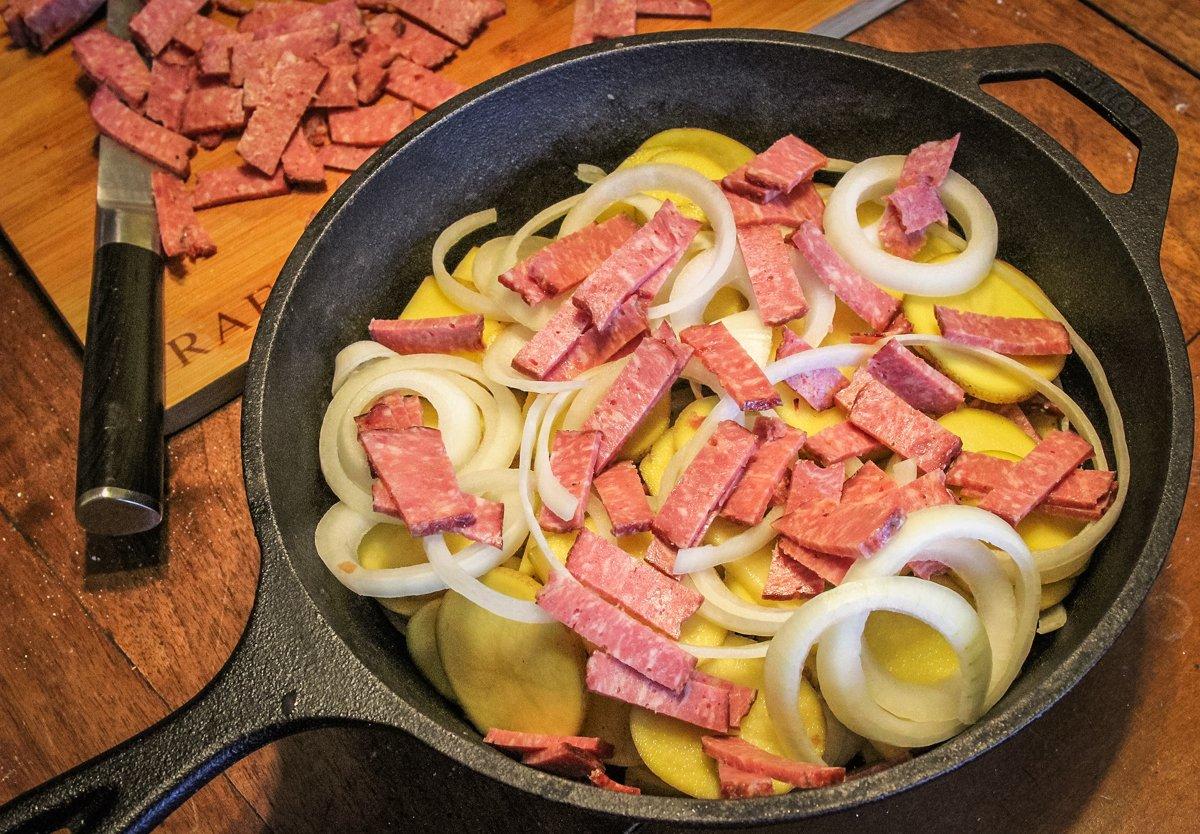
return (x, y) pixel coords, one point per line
(87, 660)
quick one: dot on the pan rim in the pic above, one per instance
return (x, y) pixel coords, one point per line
(963, 748)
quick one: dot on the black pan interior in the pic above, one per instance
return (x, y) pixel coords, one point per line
(516, 148)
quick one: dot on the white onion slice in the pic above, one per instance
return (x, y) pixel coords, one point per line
(525, 494)
(678, 180)
(459, 580)
(353, 356)
(1054, 618)
(464, 297)
(556, 497)
(725, 608)
(725, 409)
(588, 173)
(830, 356)
(497, 364)
(875, 178)
(938, 607)
(691, 559)
(822, 304)
(749, 651)
(585, 402)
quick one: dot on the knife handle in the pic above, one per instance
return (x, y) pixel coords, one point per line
(119, 473)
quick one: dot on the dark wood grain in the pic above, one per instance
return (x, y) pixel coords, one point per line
(1171, 24)
(88, 657)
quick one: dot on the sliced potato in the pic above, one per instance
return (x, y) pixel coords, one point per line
(510, 675)
(698, 630)
(909, 649)
(560, 543)
(987, 431)
(689, 420)
(672, 751)
(652, 428)
(608, 718)
(655, 462)
(1040, 531)
(640, 776)
(391, 546)
(725, 302)
(995, 295)
(1055, 592)
(799, 415)
(728, 153)
(422, 646)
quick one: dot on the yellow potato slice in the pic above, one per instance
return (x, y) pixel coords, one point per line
(1055, 592)
(422, 646)
(560, 543)
(995, 295)
(510, 675)
(725, 302)
(608, 719)
(698, 630)
(909, 649)
(987, 431)
(800, 415)
(750, 596)
(655, 462)
(725, 152)
(1040, 531)
(652, 428)
(640, 776)
(689, 420)
(391, 546)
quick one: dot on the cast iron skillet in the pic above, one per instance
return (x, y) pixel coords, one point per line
(315, 654)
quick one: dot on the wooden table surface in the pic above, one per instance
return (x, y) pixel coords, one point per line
(89, 658)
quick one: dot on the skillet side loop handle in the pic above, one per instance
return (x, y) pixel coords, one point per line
(1145, 204)
(137, 784)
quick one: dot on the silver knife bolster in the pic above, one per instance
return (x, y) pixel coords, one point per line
(123, 225)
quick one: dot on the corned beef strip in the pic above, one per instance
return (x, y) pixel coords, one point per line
(631, 584)
(252, 63)
(216, 56)
(370, 80)
(435, 335)
(661, 556)
(817, 387)
(300, 161)
(339, 89)
(232, 185)
(644, 380)
(566, 262)
(550, 345)
(741, 698)
(114, 61)
(847, 530)
(747, 757)
(700, 9)
(517, 742)
(487, 528)
(212, 107)
(832, 569)
(779, 445)
(572, 460)
(1085, 490)
(614, 18)
(180, 231)
(737, 183)
(197, 29)
(43, 23)
(293, 85)
(787, 163)
(1003, 334)
(600, 779)
(624, 498)
(459, 21)
(1032, 478)
(899, 325)
(867, 483)
(914, 380)
(705, 485)
(415, 469)
(370, 126)
(632, 643)
(343, 157)
(802, 205)
(156, 23)
(563, 759)
(838, 443)
(738, 374)
(873, 305)
(846, 397)
(787, 578)
(741, 784)
(703, 704)
(918, 207)
(915, 202)
(810, 482)
(393, 411)
(424, 48)
(343, 13)
(903, 429)
(594, 346)
(139, 134)
(420, 86)
(926, 491)
(169, 85)
(774, 283)
(662, 240)
(582, 31)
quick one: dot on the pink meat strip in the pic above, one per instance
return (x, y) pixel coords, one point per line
(644, 380)
(926, 491)
(487, 528)
(918, 207)
(413, 465)
(773, 281)
(818, 387)
(582, 31)
(705, 485)
(914, 380)
(831, 569)
(216, 56)
(737, 183)
(810, 482)
(1083, 489)
(915, 198)
(1003, 334)
(252, 63)
(624, 498)
(42, 23)
(594, 346)
(339, 89)
(750, 498)
(370, 80)
(899, 326)
(300, 161)
(741, 698)
(847, 530)
(634, 644)
(343, 157)
(156, 23)
(566, 262)
(741, 784)
(196, 30)
(601, 779)
(420, 86)
(424, 48)
(140, 135)
(178, 227)
(872, 304)
(661, 556)
(791, 210)
(738, 374)
(745, 756)
(212, 107)
(370, 126)
(459, 21)
(393, 411)
(662, 240)
(1032, 478)
(840, 442)
(614, 18)
(572, 460)
(220, 186)
(867, 483)
(787, 578)
(698, 9)
(786, 164)
(114, 61)
(631, 584)
(293, 85)
(169, 85)
(550, 345)
(343, 13)
(703, 704)
(903, 429)
(435, 335)
(563, 759)
(517, 742)
(846, 397)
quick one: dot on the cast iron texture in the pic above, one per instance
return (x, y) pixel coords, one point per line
(315, 654)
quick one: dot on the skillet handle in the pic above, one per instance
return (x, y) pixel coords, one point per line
(1145, 204)
(286, 675)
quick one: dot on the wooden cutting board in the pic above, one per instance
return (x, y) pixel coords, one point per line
(48, 187)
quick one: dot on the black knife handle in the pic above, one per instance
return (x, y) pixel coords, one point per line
(119, 473)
